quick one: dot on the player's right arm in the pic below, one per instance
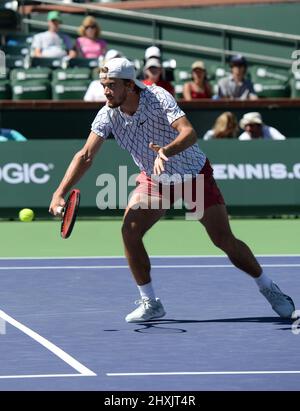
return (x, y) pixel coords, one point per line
(80, 163)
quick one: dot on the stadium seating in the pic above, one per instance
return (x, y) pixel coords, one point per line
(5, 89)
(14, 61)
(270, 82)
(16, 50)
(46, 62)
(33, 73)
(295, 85)
(69, 89)
(18, 39)
(75, 73)
(83, 62)
(70, 83)
(181, 76)
(272, 89)
(31, 89)
(263, 73)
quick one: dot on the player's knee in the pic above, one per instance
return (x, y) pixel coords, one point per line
(131, 231)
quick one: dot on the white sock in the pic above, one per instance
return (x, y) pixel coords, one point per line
(147, 291)
(263, 281)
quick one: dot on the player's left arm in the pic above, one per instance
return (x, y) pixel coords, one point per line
(186, 137)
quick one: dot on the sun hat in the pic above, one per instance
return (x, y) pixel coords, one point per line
(198, 64)
(250, 118)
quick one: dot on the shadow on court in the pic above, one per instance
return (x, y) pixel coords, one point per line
(160, 325)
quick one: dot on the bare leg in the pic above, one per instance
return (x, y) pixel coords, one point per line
(135, 224)
(215, 220)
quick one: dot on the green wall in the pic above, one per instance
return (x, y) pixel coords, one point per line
(255, 177)
(283, 17)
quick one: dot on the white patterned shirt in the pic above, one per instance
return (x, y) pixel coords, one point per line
(151, 122)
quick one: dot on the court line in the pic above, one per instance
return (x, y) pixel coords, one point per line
(88, 267)
(84, 371)
(151, 256)
(2, 377)
(137, 374)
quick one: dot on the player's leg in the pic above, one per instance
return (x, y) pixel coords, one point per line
(215, 221)
(136, 223)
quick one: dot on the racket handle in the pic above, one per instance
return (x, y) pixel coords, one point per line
(59, 211)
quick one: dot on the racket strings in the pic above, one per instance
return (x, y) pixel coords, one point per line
(70, 213)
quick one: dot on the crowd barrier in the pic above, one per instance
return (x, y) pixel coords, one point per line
(256, 177)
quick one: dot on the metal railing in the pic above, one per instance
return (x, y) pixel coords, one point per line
(156, 21)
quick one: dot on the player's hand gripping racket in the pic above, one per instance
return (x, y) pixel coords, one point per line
(69, 213)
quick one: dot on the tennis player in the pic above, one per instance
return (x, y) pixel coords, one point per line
(148, 123)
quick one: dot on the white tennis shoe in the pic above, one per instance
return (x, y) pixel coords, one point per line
(147, 310)
(282, 304)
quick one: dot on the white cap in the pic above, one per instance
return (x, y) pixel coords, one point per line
(250, 118)
(152, 63)
(123, 69)
(111, 54)
(152, 51)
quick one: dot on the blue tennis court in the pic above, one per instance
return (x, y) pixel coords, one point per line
(62, 326)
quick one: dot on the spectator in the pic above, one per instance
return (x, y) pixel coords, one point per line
(95, 91)
(199, 86)
(89, 44)
(226, 126)
(152, 52)
(254, 128)
(153, 75)
(236, 86)
(52, 43)
(8, 134)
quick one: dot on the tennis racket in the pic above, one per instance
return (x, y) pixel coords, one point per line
(69, 213)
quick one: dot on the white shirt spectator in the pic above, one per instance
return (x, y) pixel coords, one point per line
(52, 44)
(268, 133)
(95, 92)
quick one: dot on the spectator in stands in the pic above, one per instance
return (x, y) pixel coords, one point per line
(168, 66)
(52, 43)
(254, 128)
(89, 44)
(95, 90)
(152, 52)
(8, 134)
(237, 86)
(226, 126)
(153, 72)
(199, 87)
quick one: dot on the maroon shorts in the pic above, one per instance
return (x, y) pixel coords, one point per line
(212, 194)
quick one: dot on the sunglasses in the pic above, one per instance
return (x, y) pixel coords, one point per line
(93, 26)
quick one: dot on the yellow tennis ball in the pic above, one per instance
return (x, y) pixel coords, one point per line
(26, 215)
